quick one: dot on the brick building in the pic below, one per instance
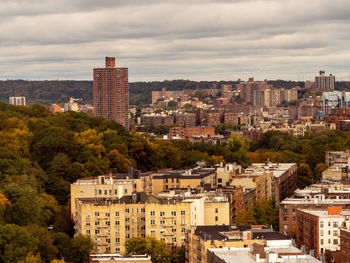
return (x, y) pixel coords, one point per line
(111, 93)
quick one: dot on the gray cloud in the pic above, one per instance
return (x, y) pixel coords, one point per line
(195, 39)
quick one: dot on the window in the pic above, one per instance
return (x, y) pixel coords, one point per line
(321, 241)
(285, 218)
(127, 210)
(162, 213)
(173, 239)
(162, 231)
(127, 219)
(97, 213)
(183, 212)
(153, 222)
(110, 192)
(107, 214)
(117, 223)
(143, 235)
(87, 223)
(182, 239)
(173, 213)
(117, 249)
(335, 224)
(100, 192)
(125, 191)
(329, 223)
(285, 227)
(321, 232)
(87, 215)
(321, 224)
(117, 240)
(293, 210)
(108, 232)
(142, 210)
(117, 231)
(335, 241)
(329, 241)
(108, 240)
(293, 218)
(162, 222)
(153, 213)
(335, 233)
(182, 221)
(143, 219)
(166, 180)
(127, 227)
(97, 223)
(88, 232)
(216, 218)
(153, 232)
(97, 231)
(219, 180)
(127, 236)
(115, 191)
(105, 192)
(173, 230)
(117, 214)
(108, 223)
(216, 210)
(183, 230)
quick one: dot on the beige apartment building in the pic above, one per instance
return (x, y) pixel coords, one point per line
(104, 186)
(111, 221)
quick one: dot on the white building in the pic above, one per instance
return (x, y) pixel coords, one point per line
(17, 101)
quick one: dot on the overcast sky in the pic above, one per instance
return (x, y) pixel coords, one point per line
(177, 39)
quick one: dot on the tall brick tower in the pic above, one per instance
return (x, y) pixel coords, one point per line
(111, 93)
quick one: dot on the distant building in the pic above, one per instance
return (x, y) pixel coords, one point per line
(117, 258)
(246, 89)
(17, 101)
(72, 105)
(324, 83)
(111, 93)
(55, 108)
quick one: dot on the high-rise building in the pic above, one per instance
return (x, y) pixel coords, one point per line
(111, 93)
(324, 83)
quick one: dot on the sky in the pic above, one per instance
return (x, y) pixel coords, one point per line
(177, 39)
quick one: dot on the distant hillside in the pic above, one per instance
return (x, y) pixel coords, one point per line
(59, 91)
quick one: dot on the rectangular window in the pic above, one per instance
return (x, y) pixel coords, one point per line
(127, 219)
(321, 224)
(108, 223)
(87, 215)
(100, 192)
(127, 210)
(335, 224)
(117, 223)
(127, 227)
(183, 230)
(117, 214)
(173, 239)
(216, 210)
(162, 222)
(87, 223)
(216, 218)
(162, 213)
(117, 249)
(115, 191)
(88, 232)
(108, 240)
(97, 213)
(153, 213)
(127, 236)
(153, 222)
(105, 192)
(153, 232)
(335, 241)
(97, 231)
(173, 230)
(117, 240)
(182, 221)
(321, 241)
(321, 232)
(335, 233)
(142, 210)
(183, 212)
(107, 214)
(173, 213)
(97, 223)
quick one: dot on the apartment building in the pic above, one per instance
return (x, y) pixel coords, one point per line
(201, 239)
(224, 174)
(117, 258)
(111, 221)
(289, 206)
(278, 251)
(246, 89)
(318, 230)
(337, 157)
(190, 132)
(323, 82)
(104, 186)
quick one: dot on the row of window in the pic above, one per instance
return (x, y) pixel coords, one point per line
(335, 241)
(335, 224)
(163, 222)
(100, 192)
(173, 213)
(117, 213)
(335, 233)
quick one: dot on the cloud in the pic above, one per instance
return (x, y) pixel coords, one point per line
(156, 40)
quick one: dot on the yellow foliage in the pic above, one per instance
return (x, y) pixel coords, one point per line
(89, 137)
(3, 200)
(57, 261)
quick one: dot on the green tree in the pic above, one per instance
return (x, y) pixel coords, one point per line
(304, 177)
(81, 247)
(319, 169)
(157, 249)
(15, 243)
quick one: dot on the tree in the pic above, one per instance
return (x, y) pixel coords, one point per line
(15, 243)
(118, 162)
(157, 249)
(45, 246)
(304, 177)
(30, 258)
(178, 255)
(81, 247)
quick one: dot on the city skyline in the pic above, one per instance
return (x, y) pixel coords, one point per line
(197, 40)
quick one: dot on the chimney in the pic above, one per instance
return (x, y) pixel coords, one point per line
(110, 62)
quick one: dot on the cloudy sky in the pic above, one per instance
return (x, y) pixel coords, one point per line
(177, 39)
